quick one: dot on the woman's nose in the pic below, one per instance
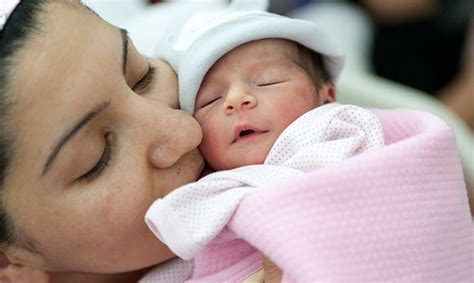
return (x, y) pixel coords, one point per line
(163, 155)
(179, 136)
(239, 97)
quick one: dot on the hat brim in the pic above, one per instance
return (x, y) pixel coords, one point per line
(218, 41)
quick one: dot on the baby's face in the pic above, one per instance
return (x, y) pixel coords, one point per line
(248, 98)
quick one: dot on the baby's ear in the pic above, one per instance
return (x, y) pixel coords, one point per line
(10, 272)
(327, 93)
(260, 5)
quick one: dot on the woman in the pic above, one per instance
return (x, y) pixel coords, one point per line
(90, 136)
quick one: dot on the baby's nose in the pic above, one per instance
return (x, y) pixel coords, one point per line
(239, 98)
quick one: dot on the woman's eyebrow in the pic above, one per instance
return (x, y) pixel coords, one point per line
(91, 114)
(72, 132)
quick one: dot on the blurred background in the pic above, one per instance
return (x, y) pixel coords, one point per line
(399, 53)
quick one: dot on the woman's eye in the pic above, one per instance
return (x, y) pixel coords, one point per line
(103, 162)
(146, 80)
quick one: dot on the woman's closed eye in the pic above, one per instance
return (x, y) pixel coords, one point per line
(103, 162)
(146, 80)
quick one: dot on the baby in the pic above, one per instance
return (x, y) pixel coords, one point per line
(261, 87)
(252, 94)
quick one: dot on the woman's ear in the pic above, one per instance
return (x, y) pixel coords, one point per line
(10, 272)
(327, 93)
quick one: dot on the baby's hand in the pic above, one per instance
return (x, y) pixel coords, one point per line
(271, 272)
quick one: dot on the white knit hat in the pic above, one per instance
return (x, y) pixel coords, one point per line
(193, 47)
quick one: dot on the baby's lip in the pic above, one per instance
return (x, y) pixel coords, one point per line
(243, 130)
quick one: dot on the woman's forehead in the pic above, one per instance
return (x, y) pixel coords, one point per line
(71, 43)
(60, 71)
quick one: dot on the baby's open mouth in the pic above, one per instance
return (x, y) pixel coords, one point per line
(246, 132)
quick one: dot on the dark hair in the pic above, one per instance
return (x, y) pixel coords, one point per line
(313, 63)
(20, 26)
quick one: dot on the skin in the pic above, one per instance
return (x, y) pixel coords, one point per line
(458, 95)
(261, 85)
(96, 225)
(390, 11)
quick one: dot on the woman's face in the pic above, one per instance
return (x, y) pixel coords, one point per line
(98, 138)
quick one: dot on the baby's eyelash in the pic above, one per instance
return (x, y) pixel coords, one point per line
(210, 102)
(146, 80)
(269, 83)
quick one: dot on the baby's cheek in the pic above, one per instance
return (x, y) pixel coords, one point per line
(212, 134)
(212, 152)
(207, 148)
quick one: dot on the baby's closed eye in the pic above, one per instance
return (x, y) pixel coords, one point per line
(269, 78)
(268, 83)
(207, 97)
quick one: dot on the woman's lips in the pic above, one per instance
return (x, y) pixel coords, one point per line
(245, 131)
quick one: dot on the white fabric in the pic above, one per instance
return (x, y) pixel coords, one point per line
(193, 44)
(6, 8)
(172, 271)
(190, 217)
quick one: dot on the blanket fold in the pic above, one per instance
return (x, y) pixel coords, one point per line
(397, 213)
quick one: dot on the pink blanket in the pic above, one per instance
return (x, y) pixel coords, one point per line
(397, 214)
